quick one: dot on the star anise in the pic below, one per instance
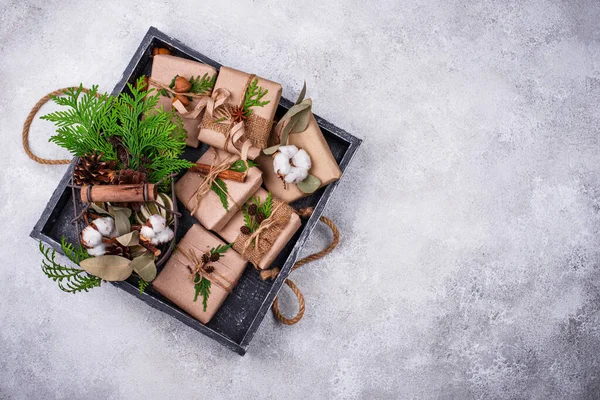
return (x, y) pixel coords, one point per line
(238, 114)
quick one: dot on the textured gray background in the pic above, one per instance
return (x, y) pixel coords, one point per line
(469, 266)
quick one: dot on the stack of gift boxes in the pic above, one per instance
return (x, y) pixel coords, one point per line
(241, 198)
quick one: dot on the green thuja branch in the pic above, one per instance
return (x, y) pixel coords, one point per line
(70, 280)
(221, 249)
(202, 286)
(253, 95)
(142, 285)
(80, 129)
(220, 188)
(203, 85)
(240, 165)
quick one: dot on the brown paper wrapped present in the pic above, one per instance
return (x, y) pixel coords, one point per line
(164, 68)
(324, 166)
(232, 123)
(282, 225)
(176, 280)
(194, 191)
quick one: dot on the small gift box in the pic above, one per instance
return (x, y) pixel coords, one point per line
(214, 201)
(323, 164)
(201, 77)
(261, 242)
(244, 112)
(200, 274)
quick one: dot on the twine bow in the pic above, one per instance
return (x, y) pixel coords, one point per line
(211, 179)
(264, 225)
(200, 268)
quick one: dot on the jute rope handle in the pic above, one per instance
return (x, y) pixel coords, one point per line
(29, 120)
(274, 272)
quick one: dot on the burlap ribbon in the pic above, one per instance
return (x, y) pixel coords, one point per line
(199, 267)
(254, 246)
(254, 129)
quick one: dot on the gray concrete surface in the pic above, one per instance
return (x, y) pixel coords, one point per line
(469, 266)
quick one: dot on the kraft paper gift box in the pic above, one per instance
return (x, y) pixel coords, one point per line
(272, 242)
(208, 209)
(164, 68)
(324, 166)
(259, 122)
(174, 282)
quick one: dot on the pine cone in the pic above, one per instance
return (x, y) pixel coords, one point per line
(246, 230)
(208, 269)
(90, 170)
(129, 176)
(260, 217)
(252, 209)
(214, 257)
(116, 249)
(205, 258)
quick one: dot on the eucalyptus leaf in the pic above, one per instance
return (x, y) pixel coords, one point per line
(144, 266)
(303, 117)
(286, 132)
(129, 239)
(108, 267)
(302, 94)
(98, 209)
(310, 184)
(137, 251)
(112, 209)
(270, 150)
(122, 223)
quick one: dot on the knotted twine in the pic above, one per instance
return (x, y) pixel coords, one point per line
(200, 268)
(267, 274)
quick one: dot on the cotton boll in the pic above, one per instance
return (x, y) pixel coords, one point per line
(90, 237)
(296, 175)
(99, 250)
(289, 151)
(301, 159)
(147, 232)
(105, 225)
(158, 222)
(165, 236)
(281, 164)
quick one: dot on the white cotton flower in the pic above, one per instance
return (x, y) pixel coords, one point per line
(291, 164)
(104, 225)
(147, 232)
(281, 164)
(296, 175)
(289, 151)
(96, 251)
(301, 160)
(90, 237)
(158, 222)
(165, 235)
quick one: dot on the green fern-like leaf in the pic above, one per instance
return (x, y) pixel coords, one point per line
(204, 84)
(267, 206)
(254, 94)
(69, 279)
(80, 129)
(220, 188)
(240, 166)
(221, 249)
(202, 286)
(142, 285)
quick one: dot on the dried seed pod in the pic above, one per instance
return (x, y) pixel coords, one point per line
(182, 85)
(252, 209)
(160, 50)
(246, 230)
(260, 217)
(214, 257)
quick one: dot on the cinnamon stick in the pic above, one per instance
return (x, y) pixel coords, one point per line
(227, 174)
(119, 193)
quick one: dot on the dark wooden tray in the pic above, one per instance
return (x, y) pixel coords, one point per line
(244, 309)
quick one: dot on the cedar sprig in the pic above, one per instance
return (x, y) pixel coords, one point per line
(253, 95)
(142, 285)
(221, 249)
(255, 212)
(81, 127)
(220, 188)
(69, 279)
(204, 84)
(201, 284)
(165, 92)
